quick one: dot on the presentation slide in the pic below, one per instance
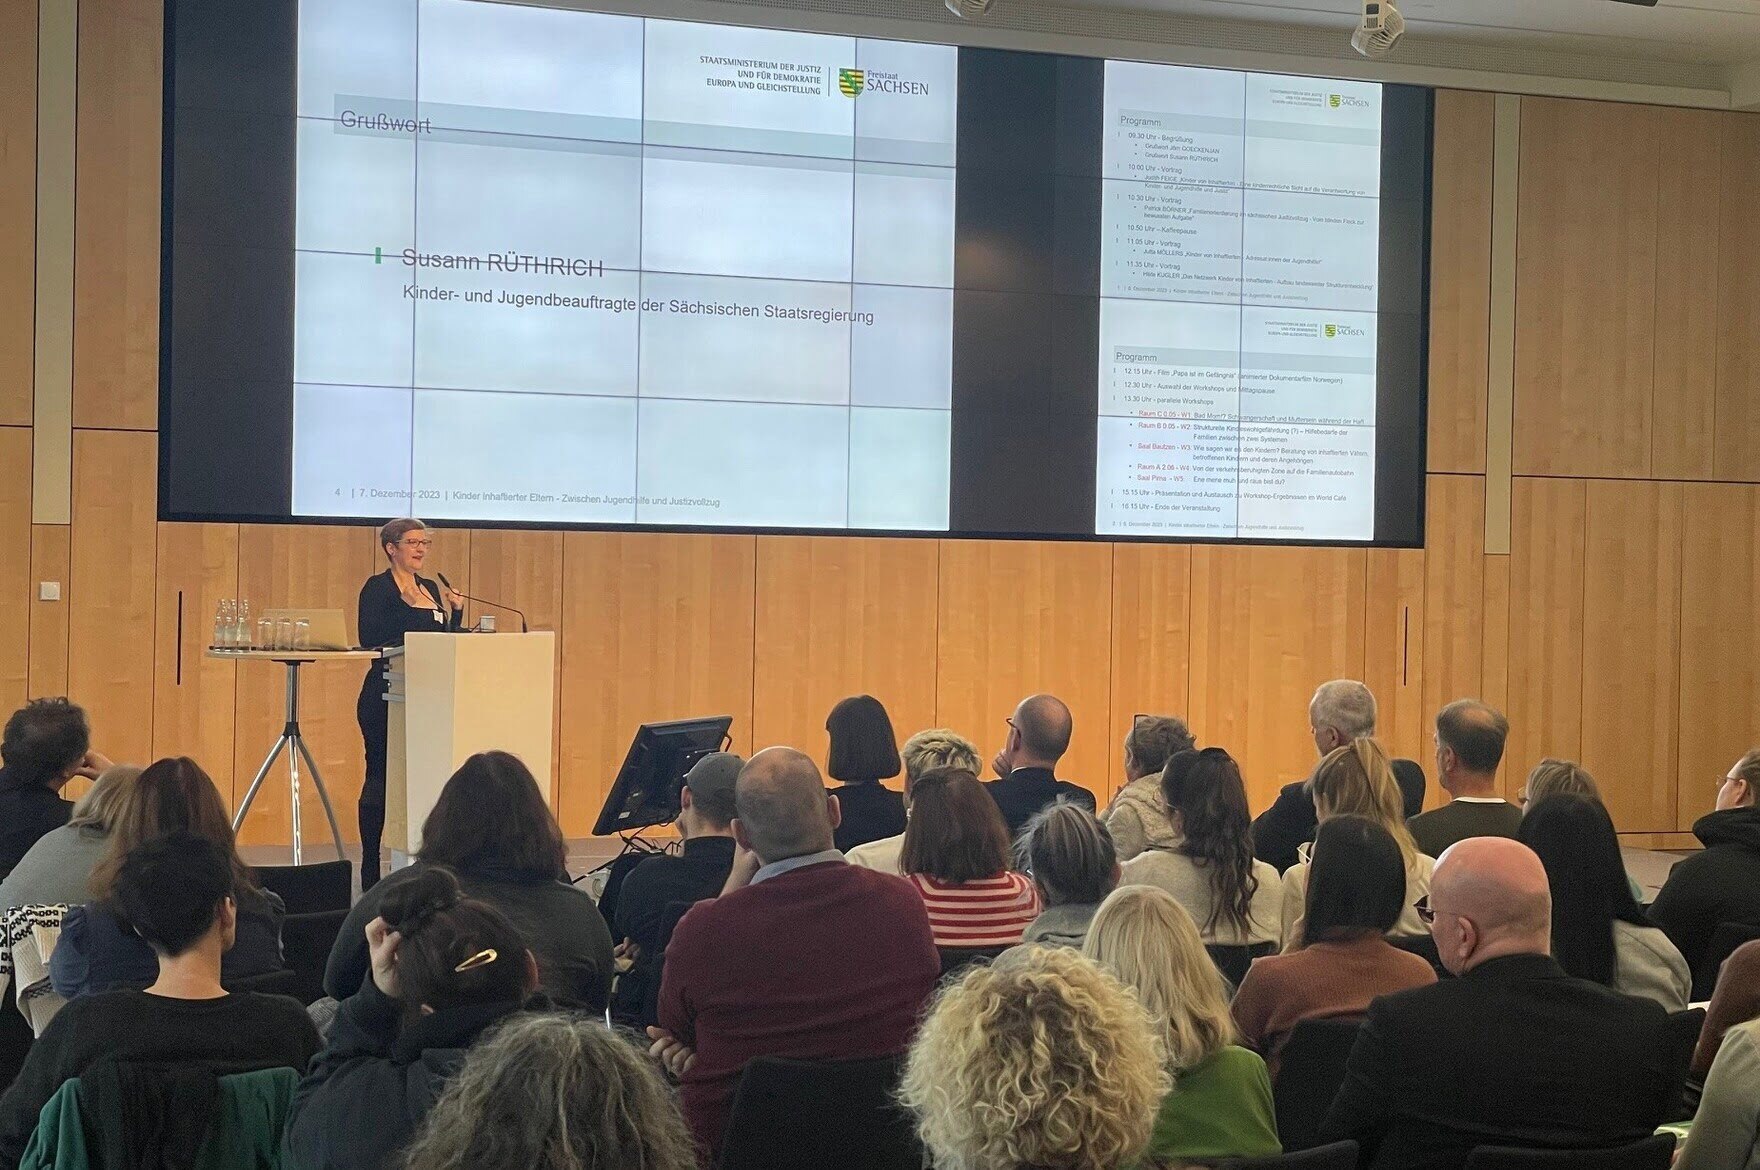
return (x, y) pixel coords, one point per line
(1238, 343)
(572, 267)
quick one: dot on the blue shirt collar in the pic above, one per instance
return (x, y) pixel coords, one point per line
(777, 868)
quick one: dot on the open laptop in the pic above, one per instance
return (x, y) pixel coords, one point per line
(328, 630)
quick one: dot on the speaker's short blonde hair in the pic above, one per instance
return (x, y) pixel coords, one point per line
(1041, 1059)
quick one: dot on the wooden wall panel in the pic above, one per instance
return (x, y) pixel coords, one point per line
(1454, 600)
(1719, 694)
(1546, 582)
(1586, 287)
(841, 616)
(1631, 636)
(18, 209)
(315, 566)
(116, 216)
(654, 626)
(1021, 618)
(524, 570)
(1494, 689)
(1268, 626)
(16, 588)
(194, 697)
(112, 567)
(48, 621)
(1737, 435)
(1689, 171)
(1151, 639)
(1393, 649)
(1460, 279)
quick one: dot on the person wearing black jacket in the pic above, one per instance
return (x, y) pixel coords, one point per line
(445, 969)
(864, 751)
(1038, 734)
(1721, 883)
(394, 603)
(1341, 711)
(47, 742)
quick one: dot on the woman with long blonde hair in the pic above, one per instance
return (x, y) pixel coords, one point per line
(1041, 1059)
(1220, 1104)
(1357, 780)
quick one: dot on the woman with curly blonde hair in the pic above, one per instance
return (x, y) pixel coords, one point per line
(554, 1092)
(1040, 1059)
(1357, 780)
(1220, 1106)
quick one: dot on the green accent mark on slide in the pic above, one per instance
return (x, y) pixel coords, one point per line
(378, 255)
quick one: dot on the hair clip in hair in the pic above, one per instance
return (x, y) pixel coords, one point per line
(481, 959)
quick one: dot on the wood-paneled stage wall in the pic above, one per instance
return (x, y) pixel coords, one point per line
(1593, 560)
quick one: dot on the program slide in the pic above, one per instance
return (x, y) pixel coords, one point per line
(1239, 287)
(576, 267)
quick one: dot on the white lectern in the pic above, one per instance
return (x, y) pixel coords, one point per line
(451, 696)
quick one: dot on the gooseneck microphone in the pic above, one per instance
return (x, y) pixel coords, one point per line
(485, 601)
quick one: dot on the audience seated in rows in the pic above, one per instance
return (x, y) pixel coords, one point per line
(1469, 746)
(554, 1092)
(57, 870)
(1736, 1000)
(863, 752)
(1220, 1104)
(1026, 767)
(1356, 892)
(1074, 866)
(697, 871)
(177, 893)
(1211, 870)
(1138, 816)
(1041, 1059)
(445, 969)
(1340, 711)
(803, 956)
(1512, 1052)
(935, 748)
(491, 828)
(1356, 779)
(98, 950)
(956, 855)
(1726, 1129)
(1721, 883)
(46, 743)
(1598, 931)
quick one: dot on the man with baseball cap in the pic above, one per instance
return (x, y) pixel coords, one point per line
(698, 871)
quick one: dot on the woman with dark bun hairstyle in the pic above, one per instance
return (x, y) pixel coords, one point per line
(445, 969)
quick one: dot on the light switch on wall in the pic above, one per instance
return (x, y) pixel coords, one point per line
(48, 591)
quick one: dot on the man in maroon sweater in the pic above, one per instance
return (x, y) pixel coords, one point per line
(803, 955)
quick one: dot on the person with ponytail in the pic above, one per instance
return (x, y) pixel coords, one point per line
(1210, 869)
(445, 968)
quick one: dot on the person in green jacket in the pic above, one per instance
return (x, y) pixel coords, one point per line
(1220, 1106)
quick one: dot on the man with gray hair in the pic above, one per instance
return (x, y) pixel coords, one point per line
(1469, 746)
(802, 956)
(1513, 1052)
(1340, 712)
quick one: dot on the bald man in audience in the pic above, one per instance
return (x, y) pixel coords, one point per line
(1514, 1052)
(1038, 734)
(803, 955)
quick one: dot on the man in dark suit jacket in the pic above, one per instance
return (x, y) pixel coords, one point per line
(1038, 735)
(1340, 711)
(1514, 1052)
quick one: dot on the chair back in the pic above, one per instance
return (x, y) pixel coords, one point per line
(1682, 1038)
(1310, 1071)
(1655, 1152)
(307, 889)
(1337, 1156)
(282, 982)
(954, 960)
(1724, 941)
(1424, 947)
(806, 1115)
(1233, 961)
(306, 941)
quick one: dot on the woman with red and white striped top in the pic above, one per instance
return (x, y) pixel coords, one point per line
(956, 855)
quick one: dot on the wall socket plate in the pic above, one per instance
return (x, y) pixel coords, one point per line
(48, 591)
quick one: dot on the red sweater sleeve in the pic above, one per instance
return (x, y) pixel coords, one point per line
(675, 1013)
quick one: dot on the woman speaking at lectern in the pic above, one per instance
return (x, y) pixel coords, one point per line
(396, 602)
